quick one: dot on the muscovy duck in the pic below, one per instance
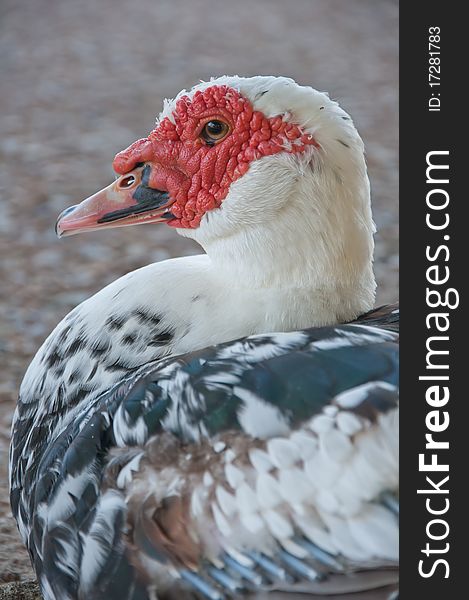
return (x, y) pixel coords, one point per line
(152, 456)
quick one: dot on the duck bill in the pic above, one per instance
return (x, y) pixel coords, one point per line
(127, 201)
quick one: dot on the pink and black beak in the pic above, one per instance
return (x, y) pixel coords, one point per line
(127, 201)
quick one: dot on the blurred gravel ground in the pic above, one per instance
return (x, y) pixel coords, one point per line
(82, 79)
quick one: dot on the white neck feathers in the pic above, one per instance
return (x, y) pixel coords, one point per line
(301, 221)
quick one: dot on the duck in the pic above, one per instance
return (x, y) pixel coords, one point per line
(222, 425)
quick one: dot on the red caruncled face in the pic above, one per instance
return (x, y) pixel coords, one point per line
(215, 137)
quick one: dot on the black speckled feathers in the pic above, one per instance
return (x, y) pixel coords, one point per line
(77, 518)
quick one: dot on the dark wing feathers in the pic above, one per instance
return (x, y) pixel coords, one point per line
(299, 373)
(299, 380)
(385, 317)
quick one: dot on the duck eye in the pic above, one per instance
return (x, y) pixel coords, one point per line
(214, 131)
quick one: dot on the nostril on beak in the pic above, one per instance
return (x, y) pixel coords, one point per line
(63, 214)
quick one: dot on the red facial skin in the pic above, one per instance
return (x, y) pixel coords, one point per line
(198, 175)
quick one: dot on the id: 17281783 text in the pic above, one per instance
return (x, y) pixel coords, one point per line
(434, 68)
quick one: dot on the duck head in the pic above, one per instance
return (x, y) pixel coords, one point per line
(261, 171)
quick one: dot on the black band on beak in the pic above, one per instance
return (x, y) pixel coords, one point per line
(157, 199)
